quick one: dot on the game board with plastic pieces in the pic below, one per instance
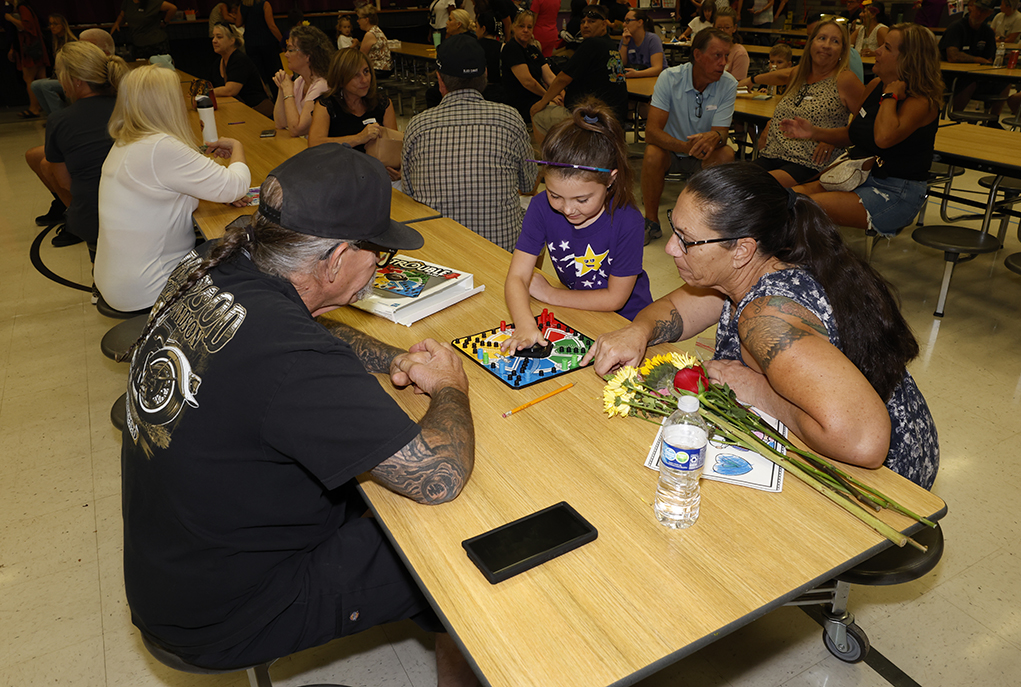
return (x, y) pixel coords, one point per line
(566, 349)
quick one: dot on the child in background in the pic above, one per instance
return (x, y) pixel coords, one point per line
(588, 220)
(344, 28)
(780, 57)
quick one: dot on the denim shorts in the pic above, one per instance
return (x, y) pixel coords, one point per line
(891, 203)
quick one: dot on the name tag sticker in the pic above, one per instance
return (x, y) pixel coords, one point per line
(861, 112)
(710, 107)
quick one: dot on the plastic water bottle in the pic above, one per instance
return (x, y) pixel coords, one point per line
(772, 89)
(1001, 50)
(685, 436)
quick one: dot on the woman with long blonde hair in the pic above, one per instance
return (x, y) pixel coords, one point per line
(896, 121)
(820, 89)
(152, 182)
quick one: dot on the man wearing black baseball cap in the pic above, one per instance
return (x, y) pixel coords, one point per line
(594, 70)
(248, 421)
(467, 157)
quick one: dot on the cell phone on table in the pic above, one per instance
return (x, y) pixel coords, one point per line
(268, 133)
(518, 546)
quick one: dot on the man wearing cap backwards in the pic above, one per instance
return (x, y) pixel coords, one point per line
(248, 421)
(972, 39)
(467, 156)
(595, 70)
(692, 105)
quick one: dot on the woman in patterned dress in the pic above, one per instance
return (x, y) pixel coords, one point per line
(820, 89)
(807, 331)
(374, 44)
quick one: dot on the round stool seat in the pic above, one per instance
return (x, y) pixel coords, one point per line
(954, 239)
(941, 169)
(119, 412)
(1006, 184)
(108, 310)
(971, 117)
(122, 336)
(1013, 262)
(897, 565)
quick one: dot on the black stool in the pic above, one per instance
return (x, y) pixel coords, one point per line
(1013, 262)
(108, 310)
(1011, 190)
(895, 565)
(955, 242)
(258, 676)
(121, 337)
(119, 412)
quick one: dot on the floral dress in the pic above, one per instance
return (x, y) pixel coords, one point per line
(379, 53)
(31, 51)
(914, 444)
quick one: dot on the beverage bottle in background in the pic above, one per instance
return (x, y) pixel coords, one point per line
(204, 105)
(1001, 50)
(685, 436)
(772, 89)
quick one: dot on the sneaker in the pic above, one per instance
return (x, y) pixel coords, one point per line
(64, 238)
(652, 231)
(55, 215)
(95, 294)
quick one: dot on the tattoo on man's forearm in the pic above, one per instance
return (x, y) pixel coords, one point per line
(434, 467)
(667, 330)
(375, 355)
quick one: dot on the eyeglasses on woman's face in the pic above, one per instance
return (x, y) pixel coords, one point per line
(686, 244)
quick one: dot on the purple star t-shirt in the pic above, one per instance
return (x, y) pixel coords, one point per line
(586, 258)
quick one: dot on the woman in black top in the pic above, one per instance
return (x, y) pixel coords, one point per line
(352, 111)
(896, 122)
(238, 75)
(526, 75)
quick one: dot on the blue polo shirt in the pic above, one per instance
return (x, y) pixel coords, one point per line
(675, 93)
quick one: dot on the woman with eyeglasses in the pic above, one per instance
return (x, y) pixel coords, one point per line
(807, 331)
(820, 89)
(641, 50)
(309, 52)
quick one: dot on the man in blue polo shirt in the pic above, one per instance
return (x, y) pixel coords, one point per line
(692, 105)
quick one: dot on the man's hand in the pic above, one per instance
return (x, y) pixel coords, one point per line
(700, 146)
(430, 366)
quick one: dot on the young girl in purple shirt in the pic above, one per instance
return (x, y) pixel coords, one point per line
(587, 220)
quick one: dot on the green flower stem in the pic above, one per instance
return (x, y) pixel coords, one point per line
(753, 443)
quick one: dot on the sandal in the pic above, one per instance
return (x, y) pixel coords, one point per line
(28, 114)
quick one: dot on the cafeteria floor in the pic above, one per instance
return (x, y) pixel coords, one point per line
(64, 620)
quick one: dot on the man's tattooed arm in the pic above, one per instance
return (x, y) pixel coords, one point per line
(375, 355)
(435, 465)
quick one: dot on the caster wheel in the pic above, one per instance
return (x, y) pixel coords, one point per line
(857, 645)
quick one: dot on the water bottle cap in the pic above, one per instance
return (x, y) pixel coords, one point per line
(688, 404)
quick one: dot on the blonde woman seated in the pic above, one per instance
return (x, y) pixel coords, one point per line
(309, 52)
(238, 76)
(352, 111)
(374, 44)
(151, 183)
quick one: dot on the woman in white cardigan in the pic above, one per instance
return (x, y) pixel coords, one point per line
(152, 182)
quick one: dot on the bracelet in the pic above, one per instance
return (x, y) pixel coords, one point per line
(288, 96)
(892, 96)
(753, 81)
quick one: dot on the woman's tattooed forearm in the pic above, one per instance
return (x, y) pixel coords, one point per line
(667, 330)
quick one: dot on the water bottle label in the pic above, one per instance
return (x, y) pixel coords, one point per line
(682, 458)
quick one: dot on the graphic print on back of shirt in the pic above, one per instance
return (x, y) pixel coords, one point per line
(165, 376)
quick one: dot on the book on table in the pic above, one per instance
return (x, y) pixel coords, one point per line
(408, 289)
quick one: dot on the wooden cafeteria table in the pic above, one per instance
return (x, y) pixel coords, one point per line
(639, 597)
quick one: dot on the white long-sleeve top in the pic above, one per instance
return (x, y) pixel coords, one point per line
(147, 194)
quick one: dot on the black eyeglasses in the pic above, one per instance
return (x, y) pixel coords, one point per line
(698, 104)
(383, 255)
(685, 245)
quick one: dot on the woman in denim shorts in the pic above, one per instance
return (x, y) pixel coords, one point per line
(896, 123)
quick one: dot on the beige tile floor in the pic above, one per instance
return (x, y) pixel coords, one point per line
(63, 619)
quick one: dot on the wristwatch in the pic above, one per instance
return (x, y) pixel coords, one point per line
(888, 95)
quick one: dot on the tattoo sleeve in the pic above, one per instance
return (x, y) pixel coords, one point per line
(766, 334)
(435, 465)
(375, 355)
(667, 330)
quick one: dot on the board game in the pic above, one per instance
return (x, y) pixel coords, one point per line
(567, 346)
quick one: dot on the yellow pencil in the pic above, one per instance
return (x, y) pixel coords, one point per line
(541, 398)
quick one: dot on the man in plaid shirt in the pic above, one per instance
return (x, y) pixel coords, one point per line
(467, 157)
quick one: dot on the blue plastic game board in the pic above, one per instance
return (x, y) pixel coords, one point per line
(568, 346)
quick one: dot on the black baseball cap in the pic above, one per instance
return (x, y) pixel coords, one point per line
(461, 56)
(333, 191)
(596, 12)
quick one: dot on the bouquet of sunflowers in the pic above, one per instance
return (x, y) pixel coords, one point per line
(650, 392)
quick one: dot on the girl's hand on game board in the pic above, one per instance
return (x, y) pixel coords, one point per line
(521, 339)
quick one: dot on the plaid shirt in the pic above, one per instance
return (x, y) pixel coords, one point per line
(466, 158)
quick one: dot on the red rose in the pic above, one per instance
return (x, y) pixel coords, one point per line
(688, 379)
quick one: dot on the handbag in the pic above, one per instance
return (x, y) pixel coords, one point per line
(387, 148)
(846, 173)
